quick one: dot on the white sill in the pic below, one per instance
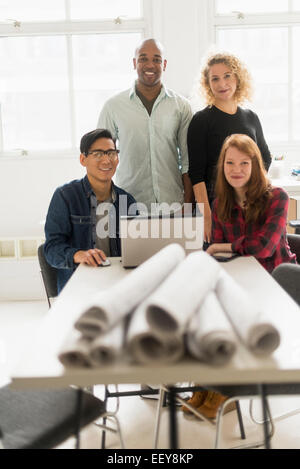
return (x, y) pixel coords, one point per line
(39, 155)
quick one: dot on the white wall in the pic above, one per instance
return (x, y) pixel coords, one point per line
(184, 29)
(26, 187)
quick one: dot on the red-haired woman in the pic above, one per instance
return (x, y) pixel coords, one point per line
(249, 215)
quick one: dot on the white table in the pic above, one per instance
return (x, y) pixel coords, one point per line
(39, 366)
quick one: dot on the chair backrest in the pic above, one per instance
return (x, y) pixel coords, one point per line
(294, 242)
(288, 276)
(42, 419)
(49, 274)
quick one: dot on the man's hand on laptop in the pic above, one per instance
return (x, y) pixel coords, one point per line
(93, 257)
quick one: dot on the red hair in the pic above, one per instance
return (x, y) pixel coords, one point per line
(258, 191)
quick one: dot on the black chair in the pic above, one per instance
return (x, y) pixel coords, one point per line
(288, 275)
(49, 275)
(294, 242)
(44, 419)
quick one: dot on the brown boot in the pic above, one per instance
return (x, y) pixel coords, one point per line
(196, 400)
(211, 404)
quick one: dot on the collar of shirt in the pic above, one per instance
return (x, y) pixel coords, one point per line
(87, 187)
(163, 92)
(89, 191)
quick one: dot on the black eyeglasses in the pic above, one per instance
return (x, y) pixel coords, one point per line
(99, 154)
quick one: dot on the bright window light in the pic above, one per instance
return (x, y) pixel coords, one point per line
(225, 7)
(34, 92)
(102, 67)
(91, 9)
(269, 70)
(32, 10)
(54, 84)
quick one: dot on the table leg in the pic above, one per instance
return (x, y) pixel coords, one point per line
(173, 419)
(264, 402)
(78, 417)
(106, 395)
(240, 419)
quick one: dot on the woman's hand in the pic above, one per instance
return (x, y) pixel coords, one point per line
(207, 226)
(211, 249)
(219, 247)
(207, 221)
(93, 257)
(203, 206)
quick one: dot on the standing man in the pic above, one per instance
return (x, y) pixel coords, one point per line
(151, 124)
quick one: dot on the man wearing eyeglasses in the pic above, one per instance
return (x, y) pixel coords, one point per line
(82, 224)
(150, 122)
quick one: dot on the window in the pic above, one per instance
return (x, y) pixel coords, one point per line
(226, 7)
(60, 61)
(265, 35)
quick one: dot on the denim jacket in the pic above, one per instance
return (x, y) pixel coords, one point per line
(71, 225)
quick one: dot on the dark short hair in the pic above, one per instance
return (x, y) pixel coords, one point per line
(88, 139)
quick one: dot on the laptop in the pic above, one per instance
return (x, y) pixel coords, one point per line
(143, 236)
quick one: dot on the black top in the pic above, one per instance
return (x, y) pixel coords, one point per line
(206, 134)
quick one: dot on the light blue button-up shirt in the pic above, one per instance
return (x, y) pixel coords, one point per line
(153, 149)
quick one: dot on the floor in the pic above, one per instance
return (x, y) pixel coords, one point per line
(137, 415)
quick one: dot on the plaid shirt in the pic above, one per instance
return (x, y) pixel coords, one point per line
(267, 242)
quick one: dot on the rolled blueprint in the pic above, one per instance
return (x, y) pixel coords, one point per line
(146, 346)
(250, 324)
(209, 335)
(173, 303)
(107, 347)
(75, 352)
(106, 308)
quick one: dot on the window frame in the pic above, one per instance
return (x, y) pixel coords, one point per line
(240, 20)
(67, 28)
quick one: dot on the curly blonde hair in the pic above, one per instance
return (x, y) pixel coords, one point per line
(244, 81)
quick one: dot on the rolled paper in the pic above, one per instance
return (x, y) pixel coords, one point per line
(252, 326)
(173, 303)
(146, 347)
(106, 348)
(92, 324)
(75, 352)
(108, 307)
(209, 335)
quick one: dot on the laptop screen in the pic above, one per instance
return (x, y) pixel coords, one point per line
(144, 236)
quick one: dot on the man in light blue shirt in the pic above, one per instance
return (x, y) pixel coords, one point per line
(151, 124)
